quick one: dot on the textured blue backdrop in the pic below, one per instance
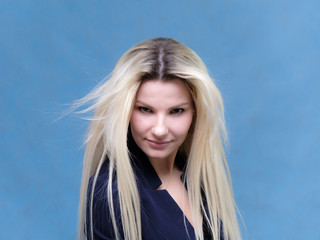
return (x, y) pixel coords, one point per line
(264, 56)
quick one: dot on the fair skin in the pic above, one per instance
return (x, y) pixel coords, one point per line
(160, 123)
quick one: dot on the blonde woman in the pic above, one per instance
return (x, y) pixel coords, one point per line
(154, 165)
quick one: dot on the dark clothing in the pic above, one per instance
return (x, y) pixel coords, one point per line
(161, 217)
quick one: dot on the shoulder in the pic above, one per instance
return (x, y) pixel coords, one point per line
(101, 218)
(101, 184)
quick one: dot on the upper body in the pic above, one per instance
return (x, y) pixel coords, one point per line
(159, 117)
(161, 216)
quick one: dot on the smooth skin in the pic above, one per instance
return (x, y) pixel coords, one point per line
(160, 122)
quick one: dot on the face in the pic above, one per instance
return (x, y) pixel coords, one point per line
(161, 117)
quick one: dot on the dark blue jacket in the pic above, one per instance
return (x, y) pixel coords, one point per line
(161, 217)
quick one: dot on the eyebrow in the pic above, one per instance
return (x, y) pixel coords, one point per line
(175, 106)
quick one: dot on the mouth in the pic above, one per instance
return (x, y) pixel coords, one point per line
(157, 144)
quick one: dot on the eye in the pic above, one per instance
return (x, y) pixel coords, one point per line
(177, 111)
(145, 109)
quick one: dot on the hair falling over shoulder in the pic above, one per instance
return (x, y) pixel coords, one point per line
(207, 171)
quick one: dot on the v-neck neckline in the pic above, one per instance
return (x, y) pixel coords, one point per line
(150, 178)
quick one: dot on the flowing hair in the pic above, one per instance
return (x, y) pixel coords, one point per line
(207, 173)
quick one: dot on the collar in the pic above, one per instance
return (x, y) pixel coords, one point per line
(144, 171)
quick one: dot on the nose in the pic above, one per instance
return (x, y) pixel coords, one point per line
(160, 130)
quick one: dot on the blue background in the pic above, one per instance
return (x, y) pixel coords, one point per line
(264, 56)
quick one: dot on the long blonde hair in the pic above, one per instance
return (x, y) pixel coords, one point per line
(206, 167)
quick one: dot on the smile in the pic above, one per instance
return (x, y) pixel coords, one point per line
(157, 144)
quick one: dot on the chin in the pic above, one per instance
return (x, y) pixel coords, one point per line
(158, 156)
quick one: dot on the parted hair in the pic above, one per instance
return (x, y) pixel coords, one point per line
(207, 173)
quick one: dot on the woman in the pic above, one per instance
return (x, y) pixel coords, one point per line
(154, 165)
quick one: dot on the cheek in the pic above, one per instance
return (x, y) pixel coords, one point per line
(137, 123)
(134, 123)
(181, 128)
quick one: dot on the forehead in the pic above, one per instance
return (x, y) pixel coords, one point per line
(172, 91)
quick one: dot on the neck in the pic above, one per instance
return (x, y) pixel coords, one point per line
(163, 167)
(166, 171)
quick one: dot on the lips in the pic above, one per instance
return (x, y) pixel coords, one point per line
(157, 144)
